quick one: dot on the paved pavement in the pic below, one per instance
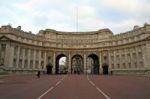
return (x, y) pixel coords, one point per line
(74, 87)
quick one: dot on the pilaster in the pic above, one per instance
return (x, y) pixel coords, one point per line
(146, 57)
(85, 65)
(39, 60)
(11, 56)
(69, 63)
(109, 59)
(29, 56)
(100, 62)
(54, 63)
(23, 57)
(45, 60)
(115, 65)
(17, 60)
(34, 58)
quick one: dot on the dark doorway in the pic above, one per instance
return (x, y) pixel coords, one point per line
(49, 69)
(61, 66)
(77, 65)
(94, 65)
(105, 69)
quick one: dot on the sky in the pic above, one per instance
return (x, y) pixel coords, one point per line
(75, 15)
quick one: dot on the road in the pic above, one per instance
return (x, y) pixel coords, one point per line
(74, 87)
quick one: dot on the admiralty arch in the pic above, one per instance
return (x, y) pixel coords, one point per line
(92, 52)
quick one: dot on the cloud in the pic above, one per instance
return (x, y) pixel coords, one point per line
(33, 15)
(134, 8)
(122, 5)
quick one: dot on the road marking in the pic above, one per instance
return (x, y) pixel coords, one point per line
(107, 97)
(63, 78)
(92, 83)
(58, 83)
(50, 89)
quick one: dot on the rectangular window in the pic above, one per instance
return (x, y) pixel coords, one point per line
(14, 63)
(20, 63)
(118, 65)
(42, 54)
(134, 56)
(26, 64)
(112, 66)
(135, 65)
(37, 54)
(2, 53)
(26, 52)
(129, 65)
(31, 64)
(42, 65)
(36, 64)
(124, 65)
(3, 50)
(141, 64)
(15, 50)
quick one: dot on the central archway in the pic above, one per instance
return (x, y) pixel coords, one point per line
(94, 63)
(77, 65)
(61, 66)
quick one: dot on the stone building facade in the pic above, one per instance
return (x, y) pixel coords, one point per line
(95, 52)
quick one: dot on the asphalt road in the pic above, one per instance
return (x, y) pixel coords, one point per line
(74, 87)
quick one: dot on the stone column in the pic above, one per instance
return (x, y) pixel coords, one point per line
(0, 49)
(0, 54)
(85, 65)
(146, 56)
(131, 59)
(69, 63)
(126, 60)
(115, 65)
(120, 59)
(34, 58)
(11, 56)
(17, 57)
(39, 60)
(100, 62)
(29, 56)
(54, 63)
(137, 57)
(45, 60)
(23, 57)
(109, 59)
(7, 55)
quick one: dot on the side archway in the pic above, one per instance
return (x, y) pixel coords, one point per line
(93, 64)
(105, 67)
(49, 68)
(61, 67)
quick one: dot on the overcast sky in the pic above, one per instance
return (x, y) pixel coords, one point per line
(34, 15)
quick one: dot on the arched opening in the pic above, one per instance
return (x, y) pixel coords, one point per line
(105, 66)
(77, 65)
(49, 69)
(61, 64)
(49, 66)
(93, 64)
(105, 69)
